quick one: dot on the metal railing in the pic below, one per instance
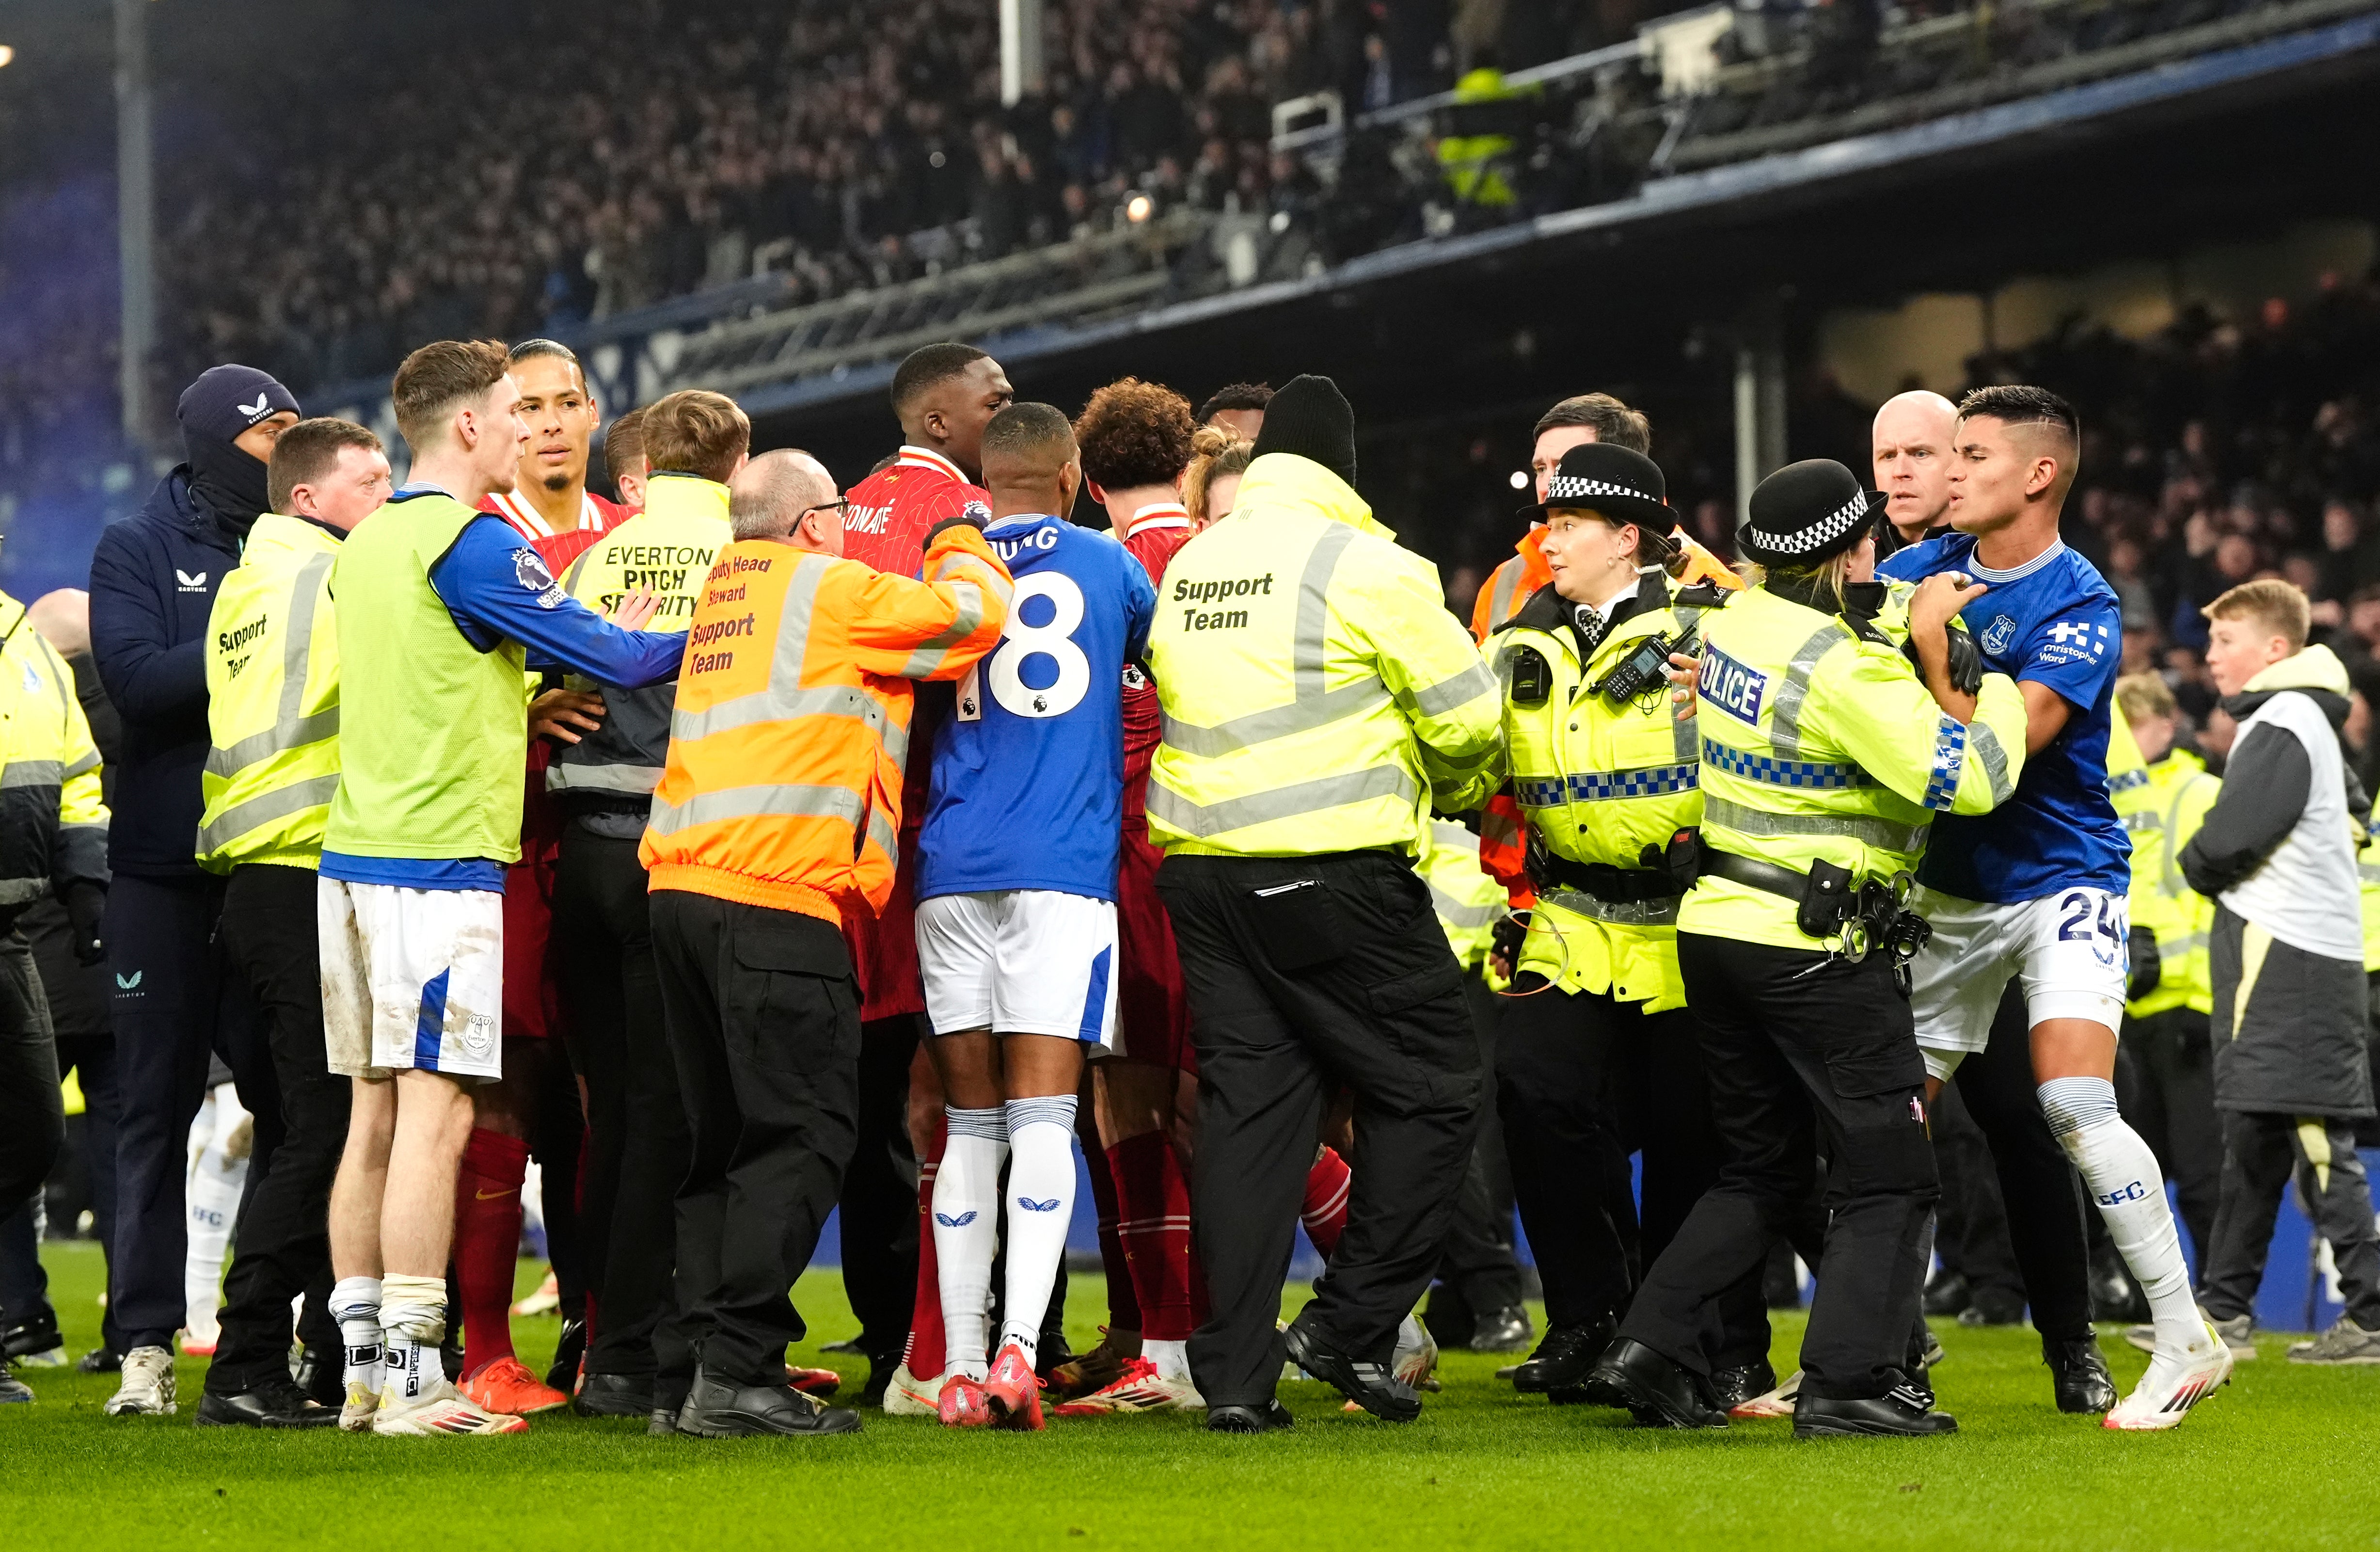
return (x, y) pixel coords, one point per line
(1080, 279)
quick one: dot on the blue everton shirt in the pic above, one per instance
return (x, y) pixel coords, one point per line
(2053, 620)
(1027, 790)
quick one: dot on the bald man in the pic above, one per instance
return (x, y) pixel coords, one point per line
(1911, 443)
(787, 494)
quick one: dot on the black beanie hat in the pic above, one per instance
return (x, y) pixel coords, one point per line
(1311, 418)
(223, 402)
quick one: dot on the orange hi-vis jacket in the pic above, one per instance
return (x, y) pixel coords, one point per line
(782, 784)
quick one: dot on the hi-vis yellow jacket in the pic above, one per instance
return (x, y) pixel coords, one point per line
(1598, 784)
(1318, 697)
(1821, 742)
(273, 700)
(669, 547)
(1467, 901)
(53, 825)
(2162, 806)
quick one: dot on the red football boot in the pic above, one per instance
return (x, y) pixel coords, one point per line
(1013, 1390)
(963, 1403)
(820, 1383)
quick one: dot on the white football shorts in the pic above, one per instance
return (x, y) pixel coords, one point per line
(1020, 962)
(2070, 952)
(411, 978)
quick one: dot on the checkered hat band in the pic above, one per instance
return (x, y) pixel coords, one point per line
(1819, 534)
(1576, 487)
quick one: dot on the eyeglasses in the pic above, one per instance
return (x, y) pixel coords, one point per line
(822, 506)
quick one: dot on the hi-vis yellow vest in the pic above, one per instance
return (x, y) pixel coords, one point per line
(1600, 783)
(53, 822)
(2367, 868)
(1317, 695)
(273, 700)
(1821, 742)
(2162, 806)
(669, 547)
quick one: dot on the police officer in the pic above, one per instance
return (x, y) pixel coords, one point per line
(1596, 1047)
(1318, 700)
(1825, 755)
(273, 716)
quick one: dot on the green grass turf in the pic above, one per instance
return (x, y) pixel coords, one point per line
(2287, 1456)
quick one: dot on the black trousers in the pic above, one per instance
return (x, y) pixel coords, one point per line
(78, 996)
(1584, 1083)
(878, 1201)
(33, 1114)
(282, 1242)
(1479, 1272)
(1348, 981)
(24, 1283)
(2261, 1150)
(2164, 1082)
(175, 1005)
(638, 1144)
(763, 1017)
(1802, 1051)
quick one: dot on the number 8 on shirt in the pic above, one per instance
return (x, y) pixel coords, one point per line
(1016, 869)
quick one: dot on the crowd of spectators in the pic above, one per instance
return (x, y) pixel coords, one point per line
(647, 151)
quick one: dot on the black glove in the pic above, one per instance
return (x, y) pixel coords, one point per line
(86, 902)
(2148, 964)
(1509, 934)
(975, 515)
(1966, 661)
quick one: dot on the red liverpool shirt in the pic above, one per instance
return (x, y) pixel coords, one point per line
(885, 525)
(1152, 534)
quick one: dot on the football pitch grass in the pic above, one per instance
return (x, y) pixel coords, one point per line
(2287, 1456)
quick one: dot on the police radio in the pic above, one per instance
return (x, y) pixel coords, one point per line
(1645, 668)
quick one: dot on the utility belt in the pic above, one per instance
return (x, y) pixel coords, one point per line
(1613, 886)
(1831, 902)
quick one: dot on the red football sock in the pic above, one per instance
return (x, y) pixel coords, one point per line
(1154, 1200)
(1325, 1212)
(487, 1243)
(1123, 1300)
(925, 1354)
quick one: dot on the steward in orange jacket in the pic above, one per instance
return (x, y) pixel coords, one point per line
(776, 816)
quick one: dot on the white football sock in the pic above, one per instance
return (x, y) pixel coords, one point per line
(1040, 1209)
(2122, 1176)
(966, 1233)
(412, 1323)
(218, 1174)
(355, 1304)
(1173, 1359)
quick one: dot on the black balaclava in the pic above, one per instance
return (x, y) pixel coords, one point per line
(223, 402)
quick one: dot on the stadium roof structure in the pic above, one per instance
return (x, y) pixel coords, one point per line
(1088, 300)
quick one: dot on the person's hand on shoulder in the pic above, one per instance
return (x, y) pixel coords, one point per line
(637, 609)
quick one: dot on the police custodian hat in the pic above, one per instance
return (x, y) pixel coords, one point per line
(1619, 483)
(1807, 512)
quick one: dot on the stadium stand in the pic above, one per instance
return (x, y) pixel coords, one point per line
(862, 168)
